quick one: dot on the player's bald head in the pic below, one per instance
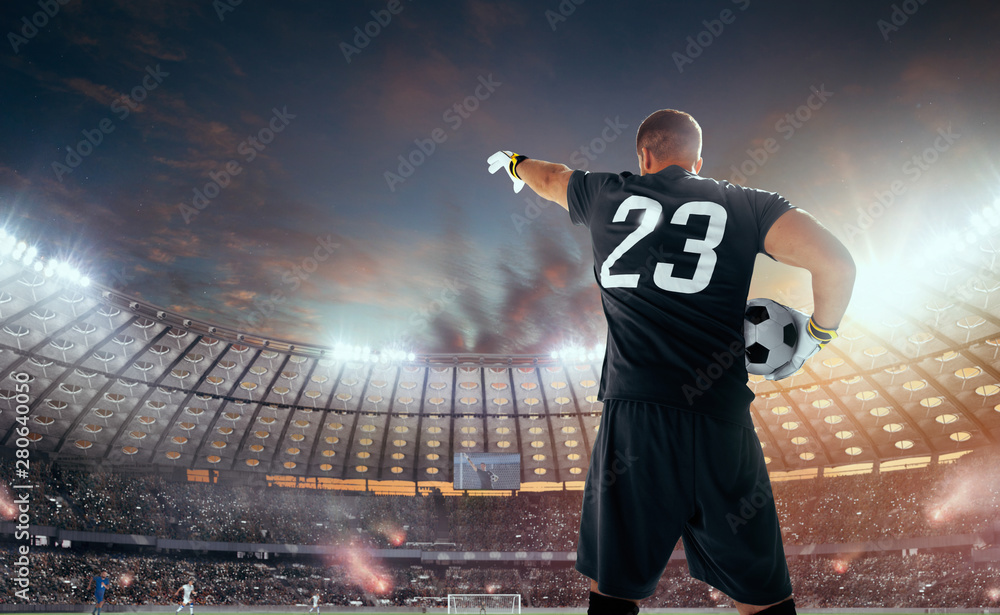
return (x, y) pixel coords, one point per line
(670, 135)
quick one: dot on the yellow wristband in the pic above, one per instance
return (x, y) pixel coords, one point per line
(516, 159)
(821, 335)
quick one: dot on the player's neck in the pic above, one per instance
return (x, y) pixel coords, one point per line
(658, 166)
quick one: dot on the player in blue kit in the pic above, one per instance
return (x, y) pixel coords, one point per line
(673, 257)
(100, 583)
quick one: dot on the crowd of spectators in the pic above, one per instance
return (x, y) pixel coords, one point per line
(951, 499)
(152, 505)
(945, 500)
(941, 580)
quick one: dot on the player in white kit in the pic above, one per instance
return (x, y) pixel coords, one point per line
(188, 591)
(315, 599)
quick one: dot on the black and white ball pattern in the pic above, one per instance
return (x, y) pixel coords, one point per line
(770, 336)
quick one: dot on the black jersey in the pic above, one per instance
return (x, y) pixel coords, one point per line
(673, 255)
(485, 479)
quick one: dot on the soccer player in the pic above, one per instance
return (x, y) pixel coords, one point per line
(676, 454)
(315, 599)
(485, 476)
(188, 590)
(100, 583)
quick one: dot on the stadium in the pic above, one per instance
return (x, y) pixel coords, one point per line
(200, 383)
(269, 470)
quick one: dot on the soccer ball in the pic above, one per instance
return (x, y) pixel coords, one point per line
(770, 335)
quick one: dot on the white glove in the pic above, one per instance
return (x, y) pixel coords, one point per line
(806, 344)
(507, 160)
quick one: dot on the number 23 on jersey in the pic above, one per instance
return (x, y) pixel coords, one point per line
(663, 273)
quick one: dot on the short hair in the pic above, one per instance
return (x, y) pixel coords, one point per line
(669, 134)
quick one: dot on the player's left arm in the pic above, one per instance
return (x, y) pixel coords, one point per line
(550, 180)
(798, 239)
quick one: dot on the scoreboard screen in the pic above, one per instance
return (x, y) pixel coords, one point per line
(487, 471)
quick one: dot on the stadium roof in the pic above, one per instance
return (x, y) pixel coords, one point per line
(114, 380)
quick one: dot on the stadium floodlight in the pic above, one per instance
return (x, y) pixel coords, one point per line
(29, 256)
(484, 603)
(85, 281)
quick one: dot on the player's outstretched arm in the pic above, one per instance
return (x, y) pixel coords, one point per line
(548, 179)
(798, 239)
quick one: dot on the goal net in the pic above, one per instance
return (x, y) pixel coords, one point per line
(484, 604)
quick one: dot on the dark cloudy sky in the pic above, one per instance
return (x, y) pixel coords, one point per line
(173, 91)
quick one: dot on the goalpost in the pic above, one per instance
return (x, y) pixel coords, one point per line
(484, 604)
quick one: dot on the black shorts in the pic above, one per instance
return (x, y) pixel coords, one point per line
(658, 474)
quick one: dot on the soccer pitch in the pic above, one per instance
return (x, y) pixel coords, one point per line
(303, 610)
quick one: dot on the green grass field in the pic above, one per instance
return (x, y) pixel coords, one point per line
(300, 611)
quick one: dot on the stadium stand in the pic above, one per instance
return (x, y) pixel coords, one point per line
(834, 513)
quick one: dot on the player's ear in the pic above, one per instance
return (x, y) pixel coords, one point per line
(697, 166)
